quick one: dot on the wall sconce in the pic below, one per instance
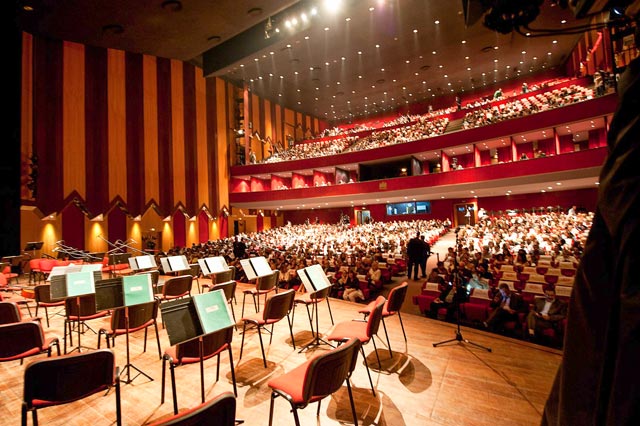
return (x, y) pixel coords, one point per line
(167, 219)
(193, 218)
(137, 218)
(98, 218)
(52, 216)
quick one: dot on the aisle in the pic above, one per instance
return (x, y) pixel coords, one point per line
(415, 287)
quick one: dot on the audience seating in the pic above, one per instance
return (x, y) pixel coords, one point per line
(430, 292)
(476, 309)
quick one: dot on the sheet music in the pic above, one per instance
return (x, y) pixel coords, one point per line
(177, 263)
(248, 268)
(216, 264)
(63, 270)
(261, 266)
(144, 262)
(318, 278)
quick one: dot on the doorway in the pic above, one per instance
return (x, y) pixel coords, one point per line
(363, 217)
(464, 214)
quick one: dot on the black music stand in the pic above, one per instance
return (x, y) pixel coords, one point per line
(62, 287)
(110, 295)
(117, 259)
(33, 246)
(315, 278)
(185, 321)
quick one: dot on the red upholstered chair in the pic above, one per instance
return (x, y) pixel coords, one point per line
(391, 307)
(310, 382)
(46, 265)
(430, 292)
(42, 295)
(35, 275)
(264, 286)
(213, 344)
(9, 313)
(23, 339)
(312, 299)
(6, 271)
(476, 309)
(177, 287)
(222, 408)
(141, 317)
(276, 308)
(364, 331)
(66, 379)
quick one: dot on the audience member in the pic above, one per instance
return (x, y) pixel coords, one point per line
(546, 313)
(506, 307)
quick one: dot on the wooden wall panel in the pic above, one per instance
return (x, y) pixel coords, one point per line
(255, 144)
(190, 163)
(279, 124)
(212, 130)
(289, 126)
(177, 128)
(117, 158)
(150, 113)
(73, 119)
(165, 139)
(221, 156)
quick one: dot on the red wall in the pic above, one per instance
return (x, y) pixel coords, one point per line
(179, 229)
(73, 226)
(117, 221)
(582, 198)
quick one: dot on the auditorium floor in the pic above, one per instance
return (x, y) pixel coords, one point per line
(455, 384)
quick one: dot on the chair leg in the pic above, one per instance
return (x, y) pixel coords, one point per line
(273, 397)
(172, 368)
(25, 412)
(366, 364)
(244, 331)
(264, 358)
(318, 411)
(155, 325)
(386, 334)
(218, 369)
(233, 314)
(164, 370)
(118, 404)
(402, 325)
(353, 407)
(34, 416)
(244, 297)
(256, 303)
(375, 349)
(330, 314)
(293, 342)
(233, 373)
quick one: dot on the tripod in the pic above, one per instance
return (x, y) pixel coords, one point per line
(317, 340)
(129, 365)
(456, 281)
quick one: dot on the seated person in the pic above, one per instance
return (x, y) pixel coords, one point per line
(506, 306)
(450, 298)
(547, 312)
(374, 276)
(351, 284)
(435, 277)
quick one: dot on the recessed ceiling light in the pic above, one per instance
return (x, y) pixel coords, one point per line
(415, 31)
(347, 19)
(436, 22)
(464, 41)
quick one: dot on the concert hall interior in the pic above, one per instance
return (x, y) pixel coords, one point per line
(310, 132)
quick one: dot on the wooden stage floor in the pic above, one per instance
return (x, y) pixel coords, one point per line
(455, 384)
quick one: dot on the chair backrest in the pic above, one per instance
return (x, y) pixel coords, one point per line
(431, 287)
(396, 297)
(228, 287)
(69, 378)
(87, 306)
(9, 313)
(42, 294)
(34, 264)
(194, 270)
(224, 276)
(221, 410)
(211, 343)
(279, 305)
(339, 361)
(267, 282)
(20, 339)
(373, 322)
(138, 315)
(46, 265)
(177, 286)
(480, 293)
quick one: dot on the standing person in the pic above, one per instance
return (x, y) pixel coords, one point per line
(572, 211)
(598, 382)
(414, 252)
(239, 248)
(424, 255)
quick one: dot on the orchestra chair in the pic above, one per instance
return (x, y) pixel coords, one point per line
(24, 339)
(66, 379)
(195, 272)
(229, 289)
(213, 344)
(391, 307)
(221, 277)
(43, 299)
(309, 382)
(222, 408)
(141, 317)
(35, 275)
(264, 285)
(9, 313)
(79, 313)
(176, 287)
(46, 265)
(364, 331)
(276, 308)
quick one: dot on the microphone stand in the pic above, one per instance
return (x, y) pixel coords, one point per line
(456, 281)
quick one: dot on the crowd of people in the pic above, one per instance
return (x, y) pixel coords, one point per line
(527, 106)
(312, 150)
(421, 129)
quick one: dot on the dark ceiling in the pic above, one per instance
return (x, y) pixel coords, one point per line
(367, 57)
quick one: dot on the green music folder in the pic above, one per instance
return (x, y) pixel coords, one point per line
(213, 311)
(80, 283)
(137, 289)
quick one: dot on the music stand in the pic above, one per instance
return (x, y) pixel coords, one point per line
(73, 285)
(194, 317)
(33, 246)
(313, 277)
(117, 259)
(121, 293)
